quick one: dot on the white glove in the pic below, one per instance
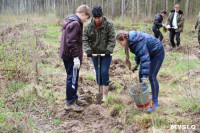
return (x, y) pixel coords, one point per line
(163, 25)
(168, 26)
(175, 27)
(76, 63)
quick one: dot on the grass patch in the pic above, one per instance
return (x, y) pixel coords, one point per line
(90, 77)
(57, 121)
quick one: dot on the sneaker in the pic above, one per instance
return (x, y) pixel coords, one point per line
(81, 102)
(74, 107)
(153, 106)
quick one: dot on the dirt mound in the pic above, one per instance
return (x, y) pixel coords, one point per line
(133, 129)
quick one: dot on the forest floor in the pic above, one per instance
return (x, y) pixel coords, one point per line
(32, 79)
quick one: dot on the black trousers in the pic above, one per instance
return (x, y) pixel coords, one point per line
(158, 34)
(171, 36)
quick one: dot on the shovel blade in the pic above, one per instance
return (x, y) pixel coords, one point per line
(99, 97)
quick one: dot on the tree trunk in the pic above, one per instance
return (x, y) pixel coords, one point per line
(138, 9)
(150, 9)
(107, 8)
(2, 7)
(174, 2)
(122, 10)
(146, 5)
(102, 5)
(113, 9)
(187, 5)
(132, 10)
(166, 5)
(74, 2)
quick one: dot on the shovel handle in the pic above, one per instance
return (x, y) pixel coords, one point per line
(95, 55)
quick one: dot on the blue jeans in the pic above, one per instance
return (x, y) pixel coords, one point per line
(155, 65)
(71, 93)
(104, 71)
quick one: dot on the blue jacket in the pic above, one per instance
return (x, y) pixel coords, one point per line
(145, 47)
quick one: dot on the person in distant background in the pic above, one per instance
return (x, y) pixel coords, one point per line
(99, 38)
(175, 23)
(149, 53)
(157, 24)
(198, 23)
(71, 51)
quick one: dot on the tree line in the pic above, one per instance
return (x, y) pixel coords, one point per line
(112, 8)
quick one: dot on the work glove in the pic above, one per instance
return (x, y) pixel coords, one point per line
(163, 25)
(135, 68)
(89, 54)
(145, 80)
(107, 54)
(195, 27)
(168, 26)
(76, 63)
(175, 27)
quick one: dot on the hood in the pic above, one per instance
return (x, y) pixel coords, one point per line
(70, 19)
(180, 12)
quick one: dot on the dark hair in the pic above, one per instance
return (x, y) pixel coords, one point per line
(97, 11)
(165, 12)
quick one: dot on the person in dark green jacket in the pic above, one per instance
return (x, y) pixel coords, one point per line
(196, 25)
(99, 38)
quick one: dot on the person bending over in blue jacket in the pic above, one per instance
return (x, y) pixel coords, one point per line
(149, 53)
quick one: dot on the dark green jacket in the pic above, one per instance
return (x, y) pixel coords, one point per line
(98, 41)
(180, 20)
(198, 22)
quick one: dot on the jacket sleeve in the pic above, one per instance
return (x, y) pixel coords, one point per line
(111, 38)
(143, 55)
(72, 40)
(86, 42)
(182, 21)
(169, 18)
(197, 23)
(137, 60)
(156, 21)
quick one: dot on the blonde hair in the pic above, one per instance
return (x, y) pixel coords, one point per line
(84, 9)
(121, 35)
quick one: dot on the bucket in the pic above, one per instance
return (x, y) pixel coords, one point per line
(141, 99)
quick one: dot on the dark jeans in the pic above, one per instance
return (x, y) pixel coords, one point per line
(171, 35)
(158, 34)
(155, 65)
(104, 71)
(71, 93)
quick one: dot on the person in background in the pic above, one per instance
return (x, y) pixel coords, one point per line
(175, 23)
(196, 25)
(157, 24)
(149, 53)
(99, 38)
(71, 53)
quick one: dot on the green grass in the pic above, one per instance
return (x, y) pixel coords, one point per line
(57, 121)
(90, 77)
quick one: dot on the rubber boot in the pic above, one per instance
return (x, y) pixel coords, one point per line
(105, 92)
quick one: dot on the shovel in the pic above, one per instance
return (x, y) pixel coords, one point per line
(99, 95)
